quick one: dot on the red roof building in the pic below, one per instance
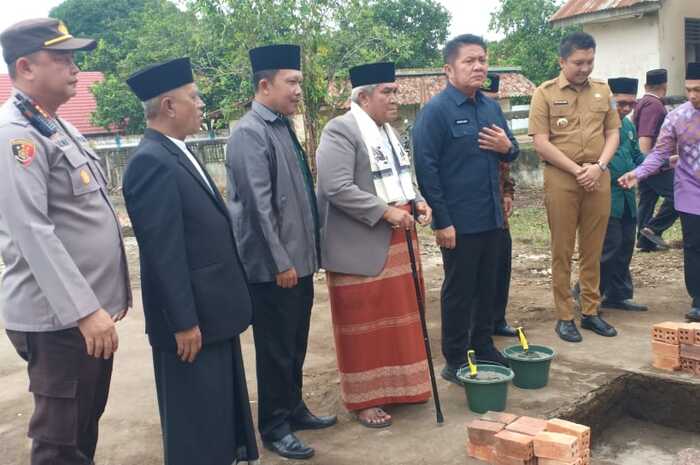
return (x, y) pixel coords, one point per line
(634, 36)
(582, 11)
(78, 110)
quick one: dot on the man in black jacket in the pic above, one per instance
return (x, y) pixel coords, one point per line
(195, 296)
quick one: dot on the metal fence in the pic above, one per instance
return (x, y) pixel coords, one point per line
(210, 151)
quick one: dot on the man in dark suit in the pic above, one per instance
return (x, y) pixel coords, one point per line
(195, 295)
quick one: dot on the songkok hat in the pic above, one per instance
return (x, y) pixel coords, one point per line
(158, 78)
(491, 83)
(372, 73)
(656, 77)
(31, 35)
(271, 57)
(623, 85)
(693, 71)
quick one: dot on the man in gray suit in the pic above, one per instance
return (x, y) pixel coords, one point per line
(275, 219)
(366, 194)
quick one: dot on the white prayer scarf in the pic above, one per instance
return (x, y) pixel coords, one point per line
(390, 187)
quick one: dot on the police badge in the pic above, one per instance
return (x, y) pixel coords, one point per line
(23, 151)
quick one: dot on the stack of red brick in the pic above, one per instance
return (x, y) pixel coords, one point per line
(506, 439)
(676, 346)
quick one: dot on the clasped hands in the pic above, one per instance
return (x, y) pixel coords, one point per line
(588, 176)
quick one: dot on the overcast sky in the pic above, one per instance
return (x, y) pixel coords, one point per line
(467, 15)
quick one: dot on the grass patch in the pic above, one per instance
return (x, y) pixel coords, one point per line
(529, 225)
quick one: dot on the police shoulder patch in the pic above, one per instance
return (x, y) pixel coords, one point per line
(23, 150)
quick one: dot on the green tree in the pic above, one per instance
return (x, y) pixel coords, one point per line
(334, 35)
(104, 20)
(424, 22)
(157, 32)
(530, 42)
(217, 34)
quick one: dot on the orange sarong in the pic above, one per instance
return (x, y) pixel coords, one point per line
(378, 337)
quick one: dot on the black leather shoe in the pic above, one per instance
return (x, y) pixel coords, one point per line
(693, 314)
(626, 304)
(598, 325)
(307, 420)
(290, 447)
(567, 331)
(654, 238)
(491, 355)
(449, 373)
(504, 329)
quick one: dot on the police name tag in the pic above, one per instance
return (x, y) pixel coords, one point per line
(561, 102)
(462, 121)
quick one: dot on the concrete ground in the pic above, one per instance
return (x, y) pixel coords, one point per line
(130, 432)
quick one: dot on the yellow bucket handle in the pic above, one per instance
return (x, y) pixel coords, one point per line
(523, 339)
(472, 365)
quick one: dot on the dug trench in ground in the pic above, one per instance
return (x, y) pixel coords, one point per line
(130, 432)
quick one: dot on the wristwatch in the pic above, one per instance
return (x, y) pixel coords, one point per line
(603, 166)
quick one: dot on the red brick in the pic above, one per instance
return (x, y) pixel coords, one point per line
(528, 425)
(664, 363)
(556, 446)
(665, 350)
(666, 332)
(485, 453)
(516, 445)
(690, 351)
(686, 333)
(504, 460)
(688, 366)
(543, 461)
(499, 417)
(481, 432)
(581, 432)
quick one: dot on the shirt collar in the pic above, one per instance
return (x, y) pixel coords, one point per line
(563, 82)
(458, 97)
(266, 114)
(180, 144)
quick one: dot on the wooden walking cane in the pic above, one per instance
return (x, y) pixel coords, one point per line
(424, 326)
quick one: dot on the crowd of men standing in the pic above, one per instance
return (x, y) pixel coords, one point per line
(212, 266)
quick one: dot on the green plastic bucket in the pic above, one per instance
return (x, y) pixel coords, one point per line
(489, 390)
(532, 369)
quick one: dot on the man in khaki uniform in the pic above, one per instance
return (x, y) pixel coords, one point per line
(576, 132)
(66, 281)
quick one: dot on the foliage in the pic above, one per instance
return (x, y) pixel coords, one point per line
(217, 34)
(530, 42)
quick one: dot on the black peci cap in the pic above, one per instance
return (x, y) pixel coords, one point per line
(372, 73)
(159, 78)
(656, 77)
(31, 35)
(280, 56)
(623, 85)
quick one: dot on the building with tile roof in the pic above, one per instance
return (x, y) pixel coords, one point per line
(77, 110)
(634, 36)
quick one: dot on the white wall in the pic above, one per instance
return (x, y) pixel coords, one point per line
(627, 47)
(672, 34)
